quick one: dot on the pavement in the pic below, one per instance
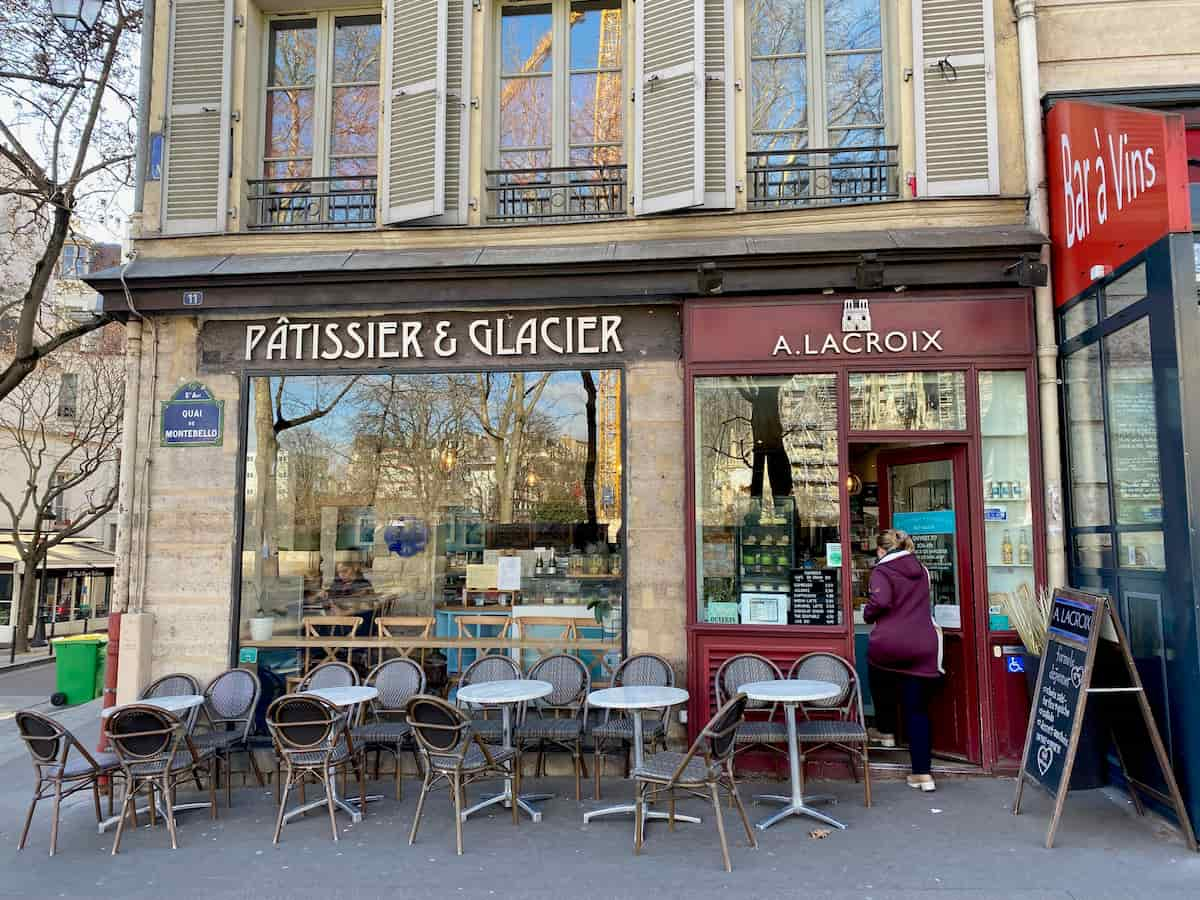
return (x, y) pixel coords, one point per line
(38, 656)
(960, 842)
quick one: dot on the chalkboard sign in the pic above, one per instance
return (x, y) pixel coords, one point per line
(815, 599)
(1079, 623)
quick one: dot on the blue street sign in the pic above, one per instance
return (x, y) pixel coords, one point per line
(193, 418)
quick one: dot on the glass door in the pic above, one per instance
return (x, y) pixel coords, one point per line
(923, 491)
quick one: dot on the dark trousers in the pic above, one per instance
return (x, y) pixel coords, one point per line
(894, 689)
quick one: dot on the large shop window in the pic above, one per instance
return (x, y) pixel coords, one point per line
(433, 495)
(767, 500)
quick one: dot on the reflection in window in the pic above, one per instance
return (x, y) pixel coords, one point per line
(1085, 437)
(1079, 317)
(767, 500)
(1126, 290)
(75, 261)
(378, 495)
(908, 401)
(1133, 425)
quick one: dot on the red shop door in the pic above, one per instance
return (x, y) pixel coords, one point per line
(924, 492)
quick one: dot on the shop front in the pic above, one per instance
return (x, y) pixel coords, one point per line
(814, 421)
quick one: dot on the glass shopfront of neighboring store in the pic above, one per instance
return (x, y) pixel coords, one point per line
(817, 421)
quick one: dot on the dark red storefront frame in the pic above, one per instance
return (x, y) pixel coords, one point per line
(708, 642)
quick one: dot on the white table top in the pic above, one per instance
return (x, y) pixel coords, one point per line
(791, 690)
(637, 697)
(513, 690)
(171, 704)
(346, 696)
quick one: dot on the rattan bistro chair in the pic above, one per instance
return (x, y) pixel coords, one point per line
(640, 669)
(707, 766)
(177, 684)
(329, 675)
(313, 740)
(765, 733)
(397, 680)
(157, 754)
(454, 753)
(229, 704)
(59, 773)
(488, 668)
(557, 719)
(839, 722)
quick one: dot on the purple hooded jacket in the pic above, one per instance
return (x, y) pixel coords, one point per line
(904, 638)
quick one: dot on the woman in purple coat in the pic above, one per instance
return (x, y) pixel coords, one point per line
(904, 653)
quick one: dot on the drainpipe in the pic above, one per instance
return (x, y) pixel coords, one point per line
(1043, 297)
(145, 80)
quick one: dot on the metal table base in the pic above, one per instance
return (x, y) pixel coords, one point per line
(508, 796)
(795, 805)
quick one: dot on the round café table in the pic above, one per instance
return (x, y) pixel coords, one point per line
(350, 695)
(636, 699)
(506, 694)
(173, 704)
(790, 693)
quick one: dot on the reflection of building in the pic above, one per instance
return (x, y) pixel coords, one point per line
(608, 446)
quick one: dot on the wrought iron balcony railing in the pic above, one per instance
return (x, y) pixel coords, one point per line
(784, 179)
(556, 194)
(340, 201)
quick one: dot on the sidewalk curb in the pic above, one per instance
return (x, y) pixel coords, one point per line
(26, 664)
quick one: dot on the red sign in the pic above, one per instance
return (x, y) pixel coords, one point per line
(1118, 182)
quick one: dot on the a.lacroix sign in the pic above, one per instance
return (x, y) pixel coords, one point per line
(1118, 182)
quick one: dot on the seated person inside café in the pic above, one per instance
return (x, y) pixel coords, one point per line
(350, 594)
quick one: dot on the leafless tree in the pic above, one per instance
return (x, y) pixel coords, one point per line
(504, 413)
(68, 465)
(66, 132)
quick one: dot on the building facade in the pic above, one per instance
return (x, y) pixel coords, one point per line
(673, 301)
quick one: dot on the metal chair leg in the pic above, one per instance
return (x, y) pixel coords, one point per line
(37, 795)
(128, 802)
(329, 781)
(96, 798)
(597, 765)
(282, 805)
(716, 802)
(54, 821)
(168, 792)
(866, 764)
(456, 786)
(214, 766)
(737, 799)
(412, 835)
(639, 805)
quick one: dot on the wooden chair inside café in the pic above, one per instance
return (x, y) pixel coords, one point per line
(332, 628)
(393, 627)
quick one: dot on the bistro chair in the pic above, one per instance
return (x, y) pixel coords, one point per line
(333, 628)
(641, 669)
(454, 753)
(841, 724)
(178, 684)
(488, 668)
(397, 680)
(767, 732)
(156, 754)
(59, 774)
(557, 719)
(230, 701)
(312, 740)
(329, 675)
(706, 767)
(392, 627)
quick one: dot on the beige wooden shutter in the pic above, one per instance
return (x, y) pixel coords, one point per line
(669, 160)
(414, 185)
(955, 83)
(458, 111)
(195, 177)
(718, 105)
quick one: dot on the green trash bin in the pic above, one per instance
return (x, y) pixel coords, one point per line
(78, 668)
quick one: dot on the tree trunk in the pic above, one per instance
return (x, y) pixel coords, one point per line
(265, 457)
(589, 468)
(26, 603)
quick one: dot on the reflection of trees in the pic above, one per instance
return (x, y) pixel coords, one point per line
(503, 415)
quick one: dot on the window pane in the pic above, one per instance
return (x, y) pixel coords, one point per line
(596, 106)
(290, 122)
(398, 494)
(1133, 425)
(854, 89)
(596, 35)
(356, 49)
(525, 112)
(1126, 290)
(525, 159)
(777, 26)
(767, 500)
(293, 52)
(1007, 500)
(852, 25)
(355, 120)
(352, 166)
(1141, 550)
(1094, 551)
(908, 401)
(1085, 436)
(779, 95)
(601, 155)
(1079, 317)
(526, 40)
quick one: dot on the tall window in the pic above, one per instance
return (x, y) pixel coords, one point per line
(68, 395)
(75, 262)
(561, 84)
(322, 104)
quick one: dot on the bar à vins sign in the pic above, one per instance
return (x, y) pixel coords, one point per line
(1118, 182)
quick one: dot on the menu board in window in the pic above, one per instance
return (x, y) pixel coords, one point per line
(815, 598)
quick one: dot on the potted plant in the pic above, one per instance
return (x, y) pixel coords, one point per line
(262, 624)
(602, 609)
